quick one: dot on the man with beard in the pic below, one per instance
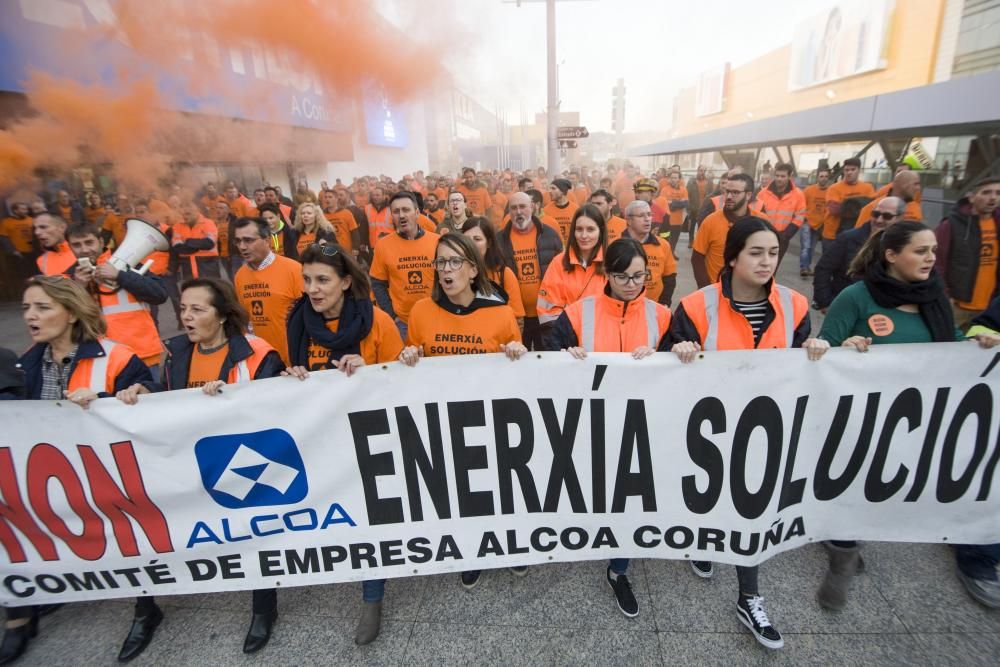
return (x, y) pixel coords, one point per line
(710, 241)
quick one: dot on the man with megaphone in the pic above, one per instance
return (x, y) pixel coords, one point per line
(124, 294)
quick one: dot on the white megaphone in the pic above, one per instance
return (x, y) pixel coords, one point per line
(141, 239)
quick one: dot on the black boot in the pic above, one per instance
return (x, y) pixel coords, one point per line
(260, 631)
(140, 635)
(15, 640)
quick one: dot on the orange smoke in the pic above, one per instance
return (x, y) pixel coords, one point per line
(340, 43)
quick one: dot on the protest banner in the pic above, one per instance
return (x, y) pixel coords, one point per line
(479, 462)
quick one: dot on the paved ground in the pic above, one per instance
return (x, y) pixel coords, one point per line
(907, 609)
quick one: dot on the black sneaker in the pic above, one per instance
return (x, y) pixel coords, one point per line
(519, 571)
(750, 611)
(702, 568)
(470, 579)
(623, 594)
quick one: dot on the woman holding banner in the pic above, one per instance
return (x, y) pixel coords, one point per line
(621, 319)
(900, 299)
(745, 310)
(70, 359)
(214, 350)
(335, 325)
(463, 306)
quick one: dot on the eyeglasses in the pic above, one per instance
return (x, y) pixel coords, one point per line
(326, 249)
(733, 193)
(450, 263)
(882, 214)
(623, 279)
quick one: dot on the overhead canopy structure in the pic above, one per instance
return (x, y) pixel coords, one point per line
(964, 106)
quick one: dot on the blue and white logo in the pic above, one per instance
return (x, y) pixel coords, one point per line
(252, 469)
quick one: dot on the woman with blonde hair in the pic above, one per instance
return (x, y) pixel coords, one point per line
(70, 359)
(312, 226)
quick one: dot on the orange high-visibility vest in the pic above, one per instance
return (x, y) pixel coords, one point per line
(605, 324)
(722, 327)
(245, 370)
(99, 373)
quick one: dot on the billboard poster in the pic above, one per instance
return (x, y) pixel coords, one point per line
(850, 38)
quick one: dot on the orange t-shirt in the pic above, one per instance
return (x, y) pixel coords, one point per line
(529, 276)
(426, 223)
(885, 189)
(838, 192)
(710, 241)
(437, 216)
(496, 211)
(911, 212)
(223, 239)
(616, 228)
(477, 199)
(669, 194)
(563, 215)
(95, 216)
(242, 207)
(205, 367)
(508, 281)
(406, 265)
(382, 343)
(815, 205)
(986, 277)
(440, 333)
(268, 295)
(306, 239)
(19, 232)
(343, 224)
(659, 262)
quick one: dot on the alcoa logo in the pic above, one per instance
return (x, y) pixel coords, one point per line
(252, 469)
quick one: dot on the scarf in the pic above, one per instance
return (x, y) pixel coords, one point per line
(928, 295)
(306, 326)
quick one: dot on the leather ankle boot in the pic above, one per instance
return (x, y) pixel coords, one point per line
(369, 624)
(260, 631)
(141, 633)
(15, 640)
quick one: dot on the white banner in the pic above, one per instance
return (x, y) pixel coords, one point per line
(478, 462)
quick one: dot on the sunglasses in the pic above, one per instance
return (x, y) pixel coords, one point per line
(882, 214)
(328, 250)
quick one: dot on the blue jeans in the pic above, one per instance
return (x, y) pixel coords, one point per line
(618, 565)
(978, 561)
(807, 238)
(373, 590)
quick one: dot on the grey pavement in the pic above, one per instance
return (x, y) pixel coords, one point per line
(908, 608)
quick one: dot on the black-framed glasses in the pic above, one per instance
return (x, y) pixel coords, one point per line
(623, 279)
(733, 193)
(450, 263)
(882, 214)
(325, 248)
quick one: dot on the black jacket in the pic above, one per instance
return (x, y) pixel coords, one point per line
(135, 372)
(831, 271)
(175, 370)
(960, 242)
(547, 243)
(11, 377)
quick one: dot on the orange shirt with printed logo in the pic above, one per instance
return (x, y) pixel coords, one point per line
(268, 295)
(477, 199)
(343, 224)
(440, 333)
(205, 367)
(563, 215)
(406, 265)
(528, 272)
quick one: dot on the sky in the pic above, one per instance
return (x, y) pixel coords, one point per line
(658, 46)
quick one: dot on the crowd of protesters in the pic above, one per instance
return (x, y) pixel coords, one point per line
(262, 284)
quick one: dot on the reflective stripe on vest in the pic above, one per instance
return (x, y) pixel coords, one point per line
(99, 367)
(785, 298)
(243, 372)
(652, 324)
(587, 323)
(123, 304)
(712, 314)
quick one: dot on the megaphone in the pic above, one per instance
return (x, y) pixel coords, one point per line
(141, 239)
